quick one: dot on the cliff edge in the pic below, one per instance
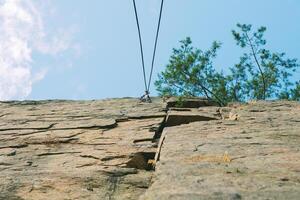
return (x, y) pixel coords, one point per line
(122, 149)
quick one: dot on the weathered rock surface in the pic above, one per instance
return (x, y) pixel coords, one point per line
(252, 153)
(77, 150)
(108, 150)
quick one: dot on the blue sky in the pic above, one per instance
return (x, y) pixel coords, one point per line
(80, 49)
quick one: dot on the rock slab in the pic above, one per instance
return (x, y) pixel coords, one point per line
(109, 149)
(77, 149)
(252, 152)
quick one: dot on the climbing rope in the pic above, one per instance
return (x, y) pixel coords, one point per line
(155, 45)
(146, 96)
(141, 44)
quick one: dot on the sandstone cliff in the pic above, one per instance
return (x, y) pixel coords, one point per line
(122, 149)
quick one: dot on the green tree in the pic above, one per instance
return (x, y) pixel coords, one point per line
(295, 93)
(237, 83)
(190, 72)
(261, 74)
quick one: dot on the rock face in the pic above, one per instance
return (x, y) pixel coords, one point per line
(253, 152)
(77, 150)
(122, 149)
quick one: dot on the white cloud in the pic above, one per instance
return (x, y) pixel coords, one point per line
(61, 41)
(22, 33)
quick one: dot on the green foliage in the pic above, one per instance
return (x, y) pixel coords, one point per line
(295, 93)
(237, 81)
(260, 73)
(179, 102)
(190, 72)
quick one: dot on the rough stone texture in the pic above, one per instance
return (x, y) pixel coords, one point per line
(76, 150)
(190, 102)
(252, 153)
(177, 117)
(107, 150)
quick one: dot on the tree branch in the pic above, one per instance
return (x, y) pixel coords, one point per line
(259, 66)
(181, 88)
(206, 91)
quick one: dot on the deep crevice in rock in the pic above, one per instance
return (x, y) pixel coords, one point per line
(142, 160)
(143, 140)
(177, 120)
(160, 129)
